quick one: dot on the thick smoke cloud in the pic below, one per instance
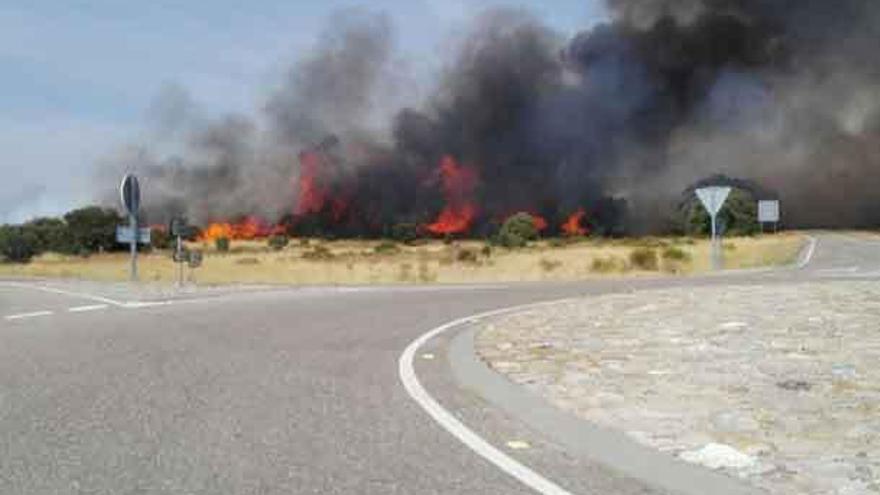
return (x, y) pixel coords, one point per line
(784, 93)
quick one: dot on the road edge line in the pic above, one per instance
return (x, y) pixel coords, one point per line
(81, 295)
(456, 428)
(807, 257)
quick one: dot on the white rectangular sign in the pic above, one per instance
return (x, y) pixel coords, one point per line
(768, 211)
(124, 235)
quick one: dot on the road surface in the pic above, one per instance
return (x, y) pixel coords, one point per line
(106, 391)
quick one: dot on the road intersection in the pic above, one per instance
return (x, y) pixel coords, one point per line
(111, 389)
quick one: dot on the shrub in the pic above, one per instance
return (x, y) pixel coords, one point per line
(386, 247)
(407, 233)
(318, 253)
(17, 244)
(50, 234)
(222, 244)
(549, 265)
(517, 231)
(605, 265)
(486, 250)
(467, 256)
(673, 253)
(643, 259)
(278, 242)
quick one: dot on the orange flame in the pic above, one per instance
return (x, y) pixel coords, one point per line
(311, 195)
(459, 183)
(453, 220)
(248, 229)
(573, 226)
(539, 221)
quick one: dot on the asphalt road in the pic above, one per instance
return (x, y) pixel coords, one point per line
(276, 391)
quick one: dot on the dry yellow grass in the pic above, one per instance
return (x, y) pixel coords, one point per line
(359, 262)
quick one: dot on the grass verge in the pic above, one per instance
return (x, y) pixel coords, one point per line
(380, 262)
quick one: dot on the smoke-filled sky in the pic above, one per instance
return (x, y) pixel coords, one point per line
(82, 77)
(349, 120)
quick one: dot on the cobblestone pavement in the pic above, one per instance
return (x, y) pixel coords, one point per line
(777, 384)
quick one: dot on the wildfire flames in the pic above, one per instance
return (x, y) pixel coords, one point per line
(248, 229)
(315, 198)
(573, 226)
(540, 223)
(311, 196)
(459, 183)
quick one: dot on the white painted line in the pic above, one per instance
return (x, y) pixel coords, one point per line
(811, 249)
(82, 295)
(81, 309)
(23, 316)
(449, 422)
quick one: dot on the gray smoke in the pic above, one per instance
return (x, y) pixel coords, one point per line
(785, 93)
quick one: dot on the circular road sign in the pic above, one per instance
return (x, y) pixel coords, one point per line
(130, 193)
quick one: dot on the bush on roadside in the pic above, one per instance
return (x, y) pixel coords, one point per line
(318, 253)
(672, 253)
(605, 265)
(467, 256)
(549, 265)
(92, 230)
(17, 244)
(517, 231)
(222, 244)
(278, 242)
(644, 259)
(386, 247)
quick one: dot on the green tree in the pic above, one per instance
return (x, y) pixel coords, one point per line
(92, 229)
(739, 216)
(51, 234)
(17, 244)
(517, 231)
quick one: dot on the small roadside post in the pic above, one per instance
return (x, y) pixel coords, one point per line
(713, 199)
(130, 194)
(178, 228)
(194, 261)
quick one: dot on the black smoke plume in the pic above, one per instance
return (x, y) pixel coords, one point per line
(781, 93)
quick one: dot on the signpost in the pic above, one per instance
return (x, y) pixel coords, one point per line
(180, 256)
(768, 212)
(130, 194)
(713, 199)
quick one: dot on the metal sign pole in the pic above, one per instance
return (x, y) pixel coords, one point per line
(714, 242)
(133, 225)
(179, 264)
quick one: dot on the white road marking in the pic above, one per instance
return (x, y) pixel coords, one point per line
(81, 309)
(811, 249)
(81, 295)
(23, 316)
(451, 424)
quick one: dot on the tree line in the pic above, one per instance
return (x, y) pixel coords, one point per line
(82, 231)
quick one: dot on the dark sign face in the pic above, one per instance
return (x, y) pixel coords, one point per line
(178, 227)
(130, 191)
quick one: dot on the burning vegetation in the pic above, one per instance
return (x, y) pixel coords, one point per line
(597, 134)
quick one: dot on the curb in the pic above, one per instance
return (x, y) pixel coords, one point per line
(604, 446)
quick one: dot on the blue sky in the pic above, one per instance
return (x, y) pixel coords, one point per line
(78, 76)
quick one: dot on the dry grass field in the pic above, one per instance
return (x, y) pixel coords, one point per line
(376, 262)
